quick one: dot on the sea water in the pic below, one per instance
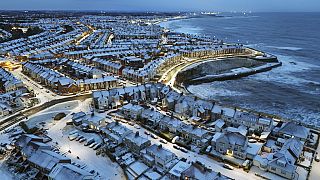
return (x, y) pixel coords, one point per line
(292, 90)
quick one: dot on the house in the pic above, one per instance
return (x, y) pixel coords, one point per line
(252, 121)
(283, 161)
(170, 100)
(70, 172)
(77, 118)
(45, 160)
(151, 117)
(170, 124)
(177, 170)
(105, 82)
(115, 132)
(23, 101)
(196, 171)
(198, 136)
(292, 129)
(231, 143)
(152, 175)
(24, 140)
(94, 122)
(184, 106)
(32, 147)
(90, 121)
(66, 85)
(240, 129)
(50, 164)
(224, 113)
(136, 143)
(4, 109)
(202, 109)
(137, 169)
(159, 157)
(131, 111)
(219, 125)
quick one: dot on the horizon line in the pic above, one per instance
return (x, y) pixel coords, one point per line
(150, 11)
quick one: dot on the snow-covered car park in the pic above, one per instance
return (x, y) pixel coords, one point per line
(82, 151)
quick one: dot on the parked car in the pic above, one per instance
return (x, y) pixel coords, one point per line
(97, 146)
(82, 139)
(89, 141)
(183, 159)
(176, 147)
(154, 137)
(93, 144)
(79, 137)
(316, 158)
(137, 126)
(163, 141)
(227, 166)
(130, 123)
(73, 136)
(184, 150)
(175, 139)
(147, 133)
(208, 149)
(73, 132)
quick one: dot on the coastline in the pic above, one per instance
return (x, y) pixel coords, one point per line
(273, 114)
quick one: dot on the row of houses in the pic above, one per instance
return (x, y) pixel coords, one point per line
(40, 161)
(185, 107)
(40, 43)
(198, 136)
(283, 162)
(63, 84)
(13, 94)
(151, 69)
(16, 100)
(137, 154)
(150, 160)
(81, 70)
(8, 82)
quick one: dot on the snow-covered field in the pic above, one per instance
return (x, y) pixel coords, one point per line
(47, 115)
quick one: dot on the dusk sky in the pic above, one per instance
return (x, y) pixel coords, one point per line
(164, 5)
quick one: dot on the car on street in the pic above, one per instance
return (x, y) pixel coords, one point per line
(137, 126)
(316, 158)
(147, 133)
(176, 147)
(130, 123)
(163, 141)
(227, 166)
(183, 159)
(154, 137)
(184, 150)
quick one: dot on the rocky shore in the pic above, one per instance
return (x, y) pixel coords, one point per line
(222, 69)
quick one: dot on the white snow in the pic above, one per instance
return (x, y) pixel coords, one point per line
(103, 165)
